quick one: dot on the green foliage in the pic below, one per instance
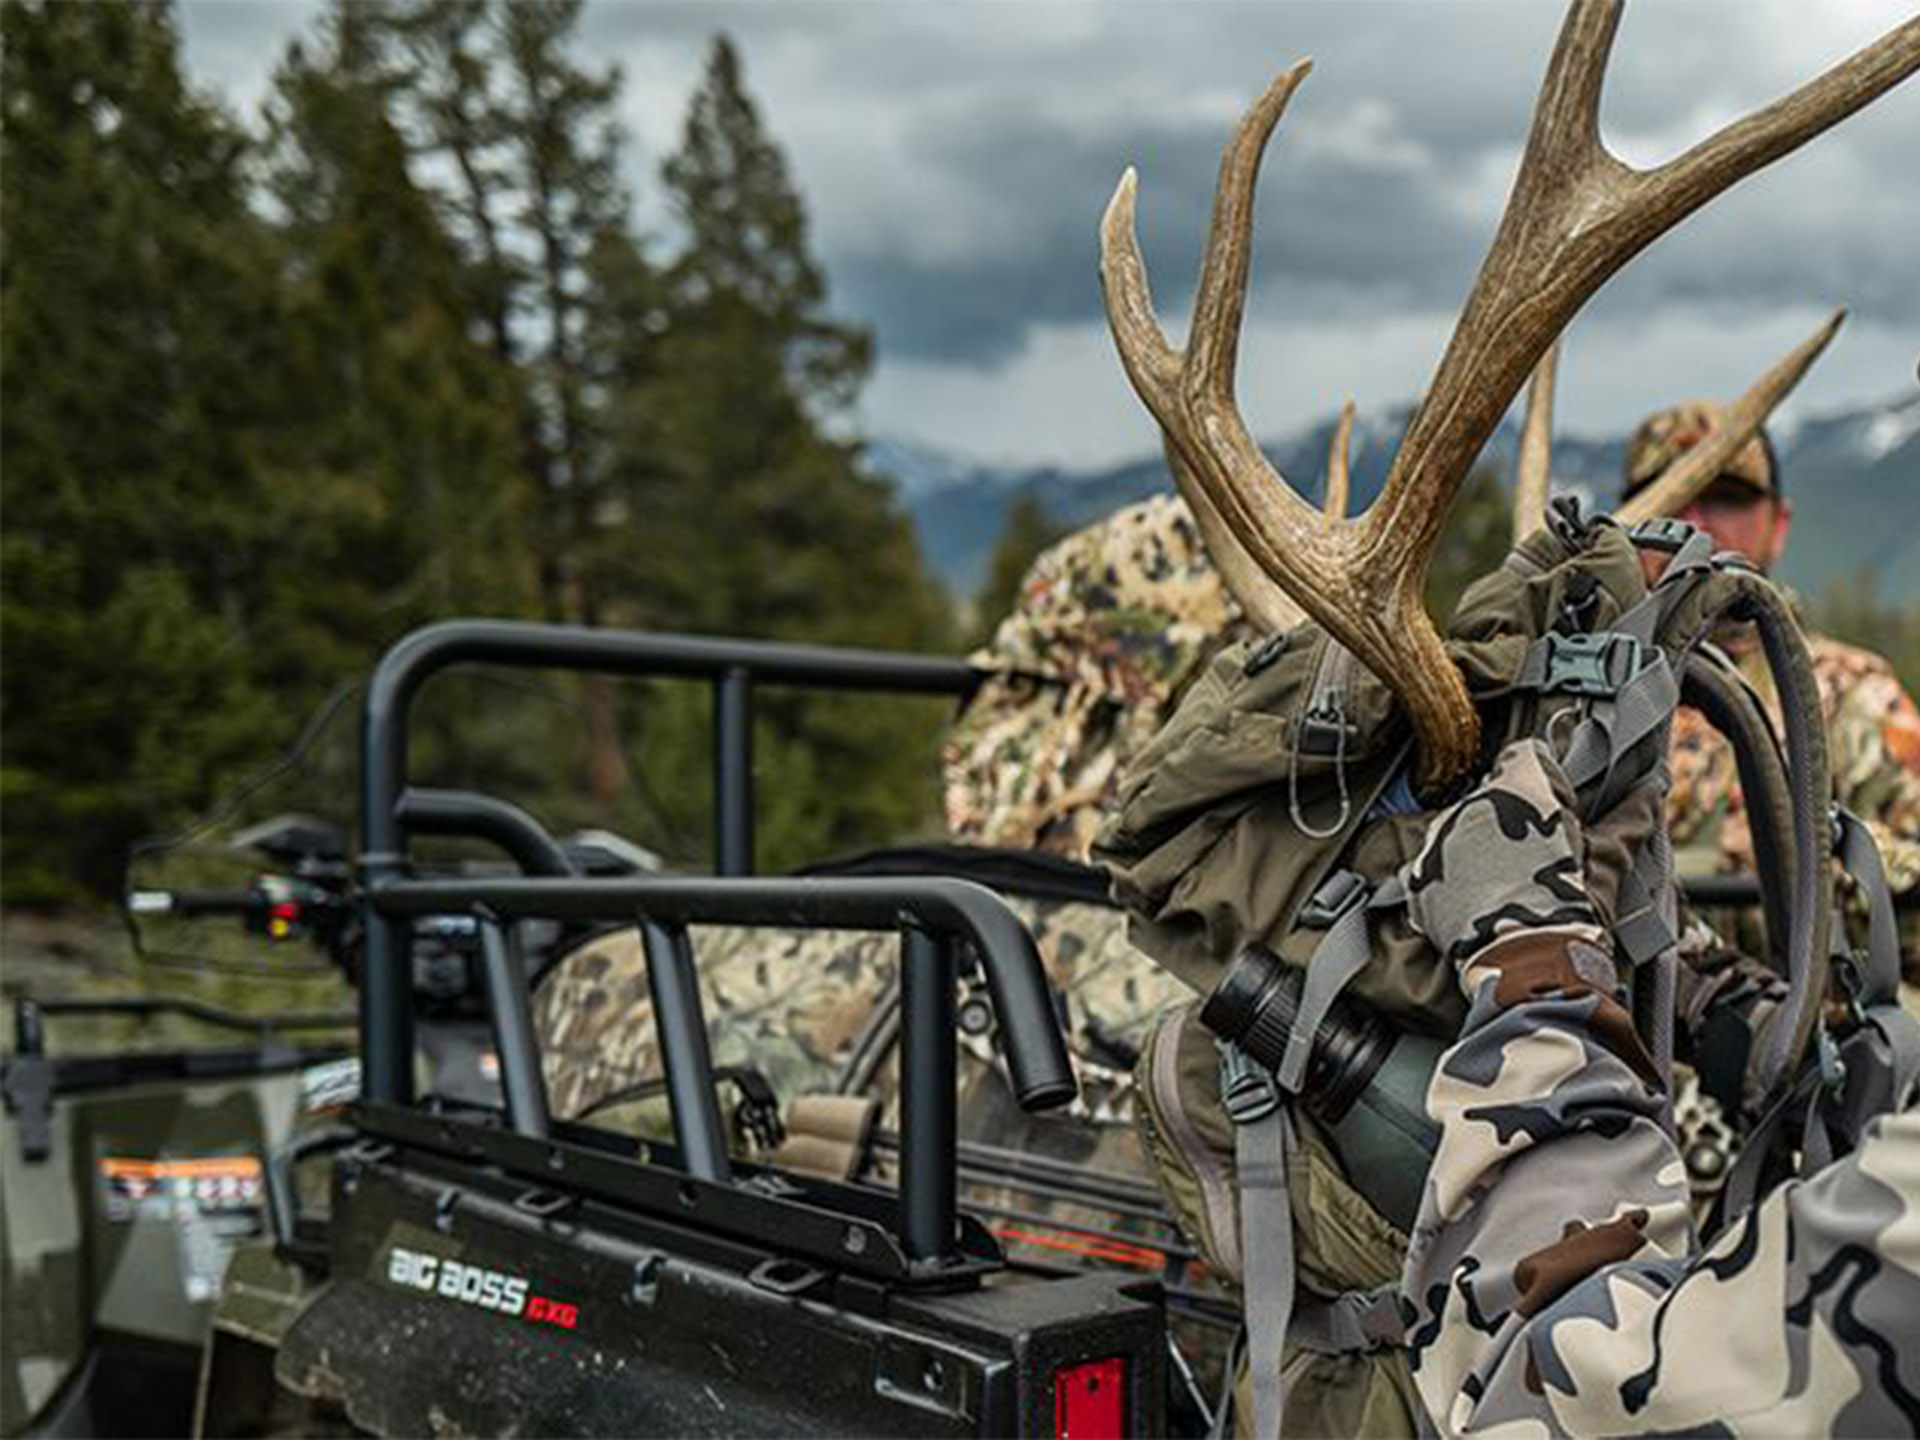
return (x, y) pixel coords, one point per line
(1027, 530)
(275, 399)
(395, 473)
(719, 374)
(1852, 610)
(132, 299)
(1476, 539)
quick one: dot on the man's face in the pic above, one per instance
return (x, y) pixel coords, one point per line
(1741, 519)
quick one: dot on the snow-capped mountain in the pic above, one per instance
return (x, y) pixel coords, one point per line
(1854, 479)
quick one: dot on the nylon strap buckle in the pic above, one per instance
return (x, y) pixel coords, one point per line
(1663, 533)
(1248, 1091)
(1338, 894)
(1596, 664)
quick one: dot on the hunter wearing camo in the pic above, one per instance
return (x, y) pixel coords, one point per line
(1873, 728)
(1554, 1282)
(1111, 624)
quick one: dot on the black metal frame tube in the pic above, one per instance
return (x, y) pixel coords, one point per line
(386, 1016)
(960, 909)
(928, 1129)
(522, 1085)
(685, 1056)
(469, 814)
(733, 770)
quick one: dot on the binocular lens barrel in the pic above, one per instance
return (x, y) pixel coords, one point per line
(1365, 1082)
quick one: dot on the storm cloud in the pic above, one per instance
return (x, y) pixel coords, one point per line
(956, 158)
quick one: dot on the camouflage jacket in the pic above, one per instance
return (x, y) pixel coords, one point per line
(1110, 625)
(1555, 1282)
(1874, 731)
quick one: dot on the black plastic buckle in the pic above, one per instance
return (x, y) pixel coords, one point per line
(758, 1113)
(1338, 894)
(1268, 651)
(1248, 1090)
(1595, 664)
(1664, 533)
(1324, 730)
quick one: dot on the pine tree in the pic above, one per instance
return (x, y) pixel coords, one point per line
(135, 325)
(528, 145)
(398, 477)
(1478, 534)
(750, 515)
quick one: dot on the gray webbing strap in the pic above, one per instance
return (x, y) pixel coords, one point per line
(1641, 932)
(1860, 858)
(1613, 727)
(1354, 1323)
(1879, 996)
(1690, 564)
(1260, 1149)
(1342, 953)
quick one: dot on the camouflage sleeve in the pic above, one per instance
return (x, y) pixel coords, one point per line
(1554, 1280)
(1724, 1004)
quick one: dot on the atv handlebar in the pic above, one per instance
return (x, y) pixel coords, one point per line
(186, 904)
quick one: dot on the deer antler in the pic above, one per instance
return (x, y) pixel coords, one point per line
(1697, 468)
(1534, 482)
(1576, 215)
(1267, 605)
(1334, 506)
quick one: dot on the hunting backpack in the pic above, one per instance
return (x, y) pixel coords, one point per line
(1274, 815)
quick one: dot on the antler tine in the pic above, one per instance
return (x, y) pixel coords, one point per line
(1698, 467)
(1334, 504)
(1534, 483)
(1221, 299)
(1263, 602)
(1150, 362)
(1191, 393)
(1575, 216)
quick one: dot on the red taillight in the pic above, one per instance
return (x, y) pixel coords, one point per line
(1090, 1400)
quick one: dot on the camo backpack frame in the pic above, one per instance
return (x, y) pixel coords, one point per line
(1275, 810)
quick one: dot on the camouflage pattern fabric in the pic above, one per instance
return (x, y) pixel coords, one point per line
(1111, 624)
(1554, 1281)
(788, 1003)
(1664, 438)
(792, 1003)
(1873, 729)
(1511, 856)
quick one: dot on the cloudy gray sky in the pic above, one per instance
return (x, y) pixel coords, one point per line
(956, 157)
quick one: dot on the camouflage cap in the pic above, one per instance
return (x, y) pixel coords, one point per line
(1665, 437)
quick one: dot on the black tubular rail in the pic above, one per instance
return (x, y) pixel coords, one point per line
(933, 917)
(482, 817)
(733, 667)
